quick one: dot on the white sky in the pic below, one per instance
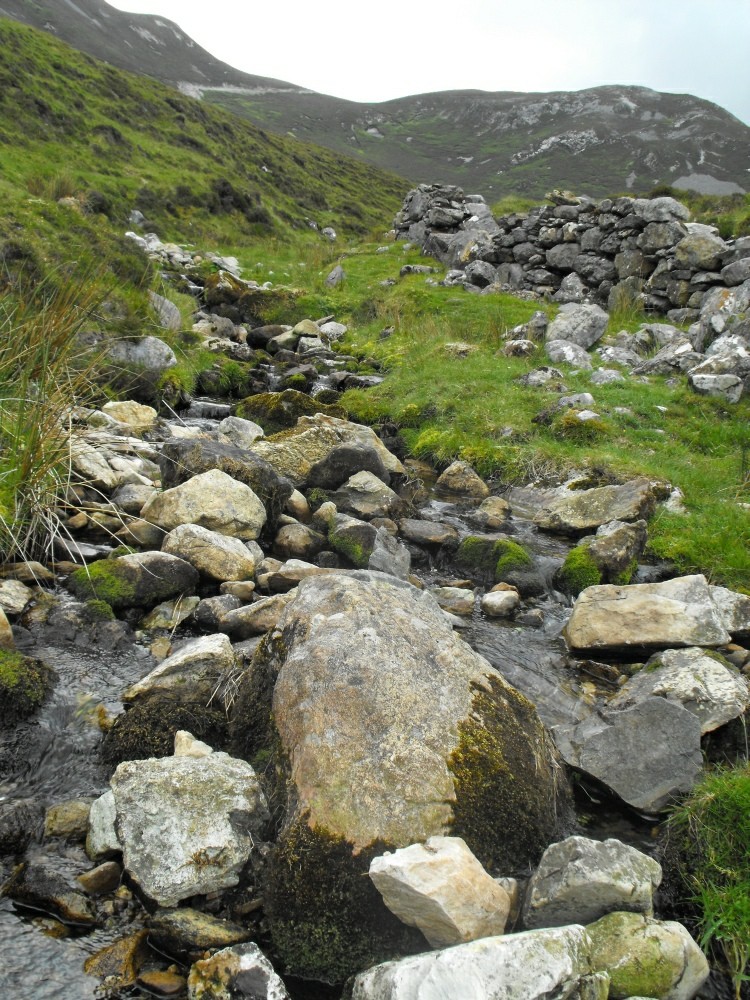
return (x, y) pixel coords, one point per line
(389, 48)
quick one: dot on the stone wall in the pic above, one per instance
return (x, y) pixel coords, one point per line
(637, 251)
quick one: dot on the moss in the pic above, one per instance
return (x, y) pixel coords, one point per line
(491, 558)
(297, 381)
(327, 920)
(316, 497)
(24, 684)
(103, 581)
(99, 611)
(510, 556)
(623, 579)
(512, 798)
(634, 960)
(121, 550)
(578, 572)
(148, 728)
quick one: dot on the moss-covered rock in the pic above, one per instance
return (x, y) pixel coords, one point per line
(148, 728)
(492, 558)
(578, 571)
(383, 728)
(279, 411)
(140, 580)
(24, 684)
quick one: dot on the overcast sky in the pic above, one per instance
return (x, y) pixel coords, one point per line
(389, 48)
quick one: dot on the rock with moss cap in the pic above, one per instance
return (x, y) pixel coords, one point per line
(646, 957)
(279, 411)
(24, 684)
(139, 580)
(294, 453)
(390, 729)
(499, 559)
(575, 512)
(611, 556)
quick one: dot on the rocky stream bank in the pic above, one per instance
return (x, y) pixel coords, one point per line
(333, 717)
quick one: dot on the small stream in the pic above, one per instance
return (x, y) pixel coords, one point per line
(54, 757)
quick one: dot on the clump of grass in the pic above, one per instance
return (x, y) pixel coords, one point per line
(44, 372)
(711, 830)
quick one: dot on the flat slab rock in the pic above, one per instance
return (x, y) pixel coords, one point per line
(578, 511)
(535, 965)
(645, 616)
(647, 755)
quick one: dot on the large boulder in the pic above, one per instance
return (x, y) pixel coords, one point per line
(545, 964)
(442, 889)
(645, 616)
(217, 556)
(646, 957)
(180, 460)
(388, 729)
(579, 880)
(213, 500)
(577, 511)
(296, 452)
(187, 824)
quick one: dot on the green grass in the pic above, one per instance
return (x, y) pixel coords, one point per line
(711, 831)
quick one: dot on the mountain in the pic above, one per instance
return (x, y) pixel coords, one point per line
(597, 141)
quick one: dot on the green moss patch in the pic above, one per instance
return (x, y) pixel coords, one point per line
(104, 581)
(490, 558)
(578, 572)
(24, 684)
(512, 797)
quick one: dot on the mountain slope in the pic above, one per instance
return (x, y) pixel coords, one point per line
(188, 166)
(597, 141)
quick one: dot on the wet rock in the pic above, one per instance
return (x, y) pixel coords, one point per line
(645, 616)
(460, 480)
(442, 889)
(170, 614)
(500, 603)
(235, 974)
(139, 580)
(385, 720)
(216, 556)
(579, 880)
(583, 325)
(456, 600)
(42, 888)
(535, 965)
(20, 820)
(648, 755)
(188, 931)
(119, 963)
(704, 684)
(199, 662)
(187, 825)
(213, 500)
(428, 533)
(162, 984)
(577, 511)
(104, 878)
(102, 840)
(655, 958)
(68, 819)
(24, 684)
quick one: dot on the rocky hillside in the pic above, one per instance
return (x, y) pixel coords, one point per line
(600, 142)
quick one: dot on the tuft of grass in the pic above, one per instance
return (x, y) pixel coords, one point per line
(712, 831)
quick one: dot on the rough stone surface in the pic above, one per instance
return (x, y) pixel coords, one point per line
(139, 580)
(239, 973)
(206, 657)
(187, 825)
(461, 480)
(213, 500)
(654, 958)
(579, 880)
(365, 496)
(138, 417)
(710, 688)
(571, 354)
(648, 755)
(645, 616)
(254, 619)
(548, 964)
(578, 324)
(217, 556)
(577, 511)
(734, 611)
(442, 889)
